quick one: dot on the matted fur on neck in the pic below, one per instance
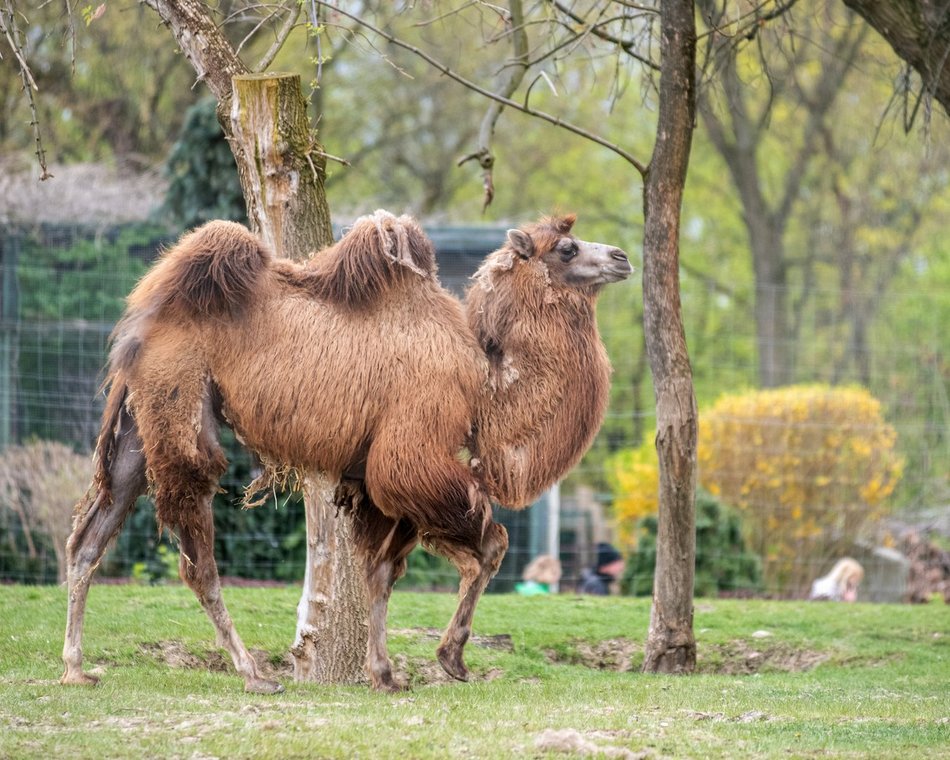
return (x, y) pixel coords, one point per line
(549, 380)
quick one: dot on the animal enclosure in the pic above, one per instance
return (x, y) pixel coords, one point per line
(63, 291)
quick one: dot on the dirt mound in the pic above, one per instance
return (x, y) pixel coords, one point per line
(408, 671)
(612, 654)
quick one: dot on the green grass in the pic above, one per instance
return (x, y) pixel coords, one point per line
(831, 681)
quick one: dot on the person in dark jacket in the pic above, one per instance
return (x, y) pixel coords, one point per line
(606, 570)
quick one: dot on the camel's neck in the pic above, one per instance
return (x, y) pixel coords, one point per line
(548, 391)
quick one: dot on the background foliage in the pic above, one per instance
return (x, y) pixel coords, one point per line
(724, 561)
(864, 256)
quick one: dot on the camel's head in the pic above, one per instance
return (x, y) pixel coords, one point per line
(571, 263)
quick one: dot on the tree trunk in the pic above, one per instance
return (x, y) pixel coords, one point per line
(282, 176)
(330, 645)
(774, 346)
(671, 646)
(282, 173)
(284, 185)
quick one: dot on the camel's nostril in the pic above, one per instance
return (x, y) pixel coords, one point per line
(616, 253)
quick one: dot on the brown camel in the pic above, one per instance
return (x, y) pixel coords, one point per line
(359, 365)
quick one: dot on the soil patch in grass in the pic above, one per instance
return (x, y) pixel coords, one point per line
(501, 641)
(739, 657)
(735, 658)
(408, 671)
(176, 655)
(611, 654)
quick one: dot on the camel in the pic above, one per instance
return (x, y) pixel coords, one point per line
(359, 365)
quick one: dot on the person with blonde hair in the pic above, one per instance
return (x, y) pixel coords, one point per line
(841, 584)
(540, 574)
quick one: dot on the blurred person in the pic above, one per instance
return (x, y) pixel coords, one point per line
(540, 574)
(841, 584)
(608, 567)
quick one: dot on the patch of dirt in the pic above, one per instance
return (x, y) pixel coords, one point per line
(422, 671)
(611, 654)
(735, 658)
(572, 742)
(742, 658)
(175, 655)
(408, 671)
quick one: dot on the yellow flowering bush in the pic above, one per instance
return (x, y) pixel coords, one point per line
(634, 477)
(806, 466)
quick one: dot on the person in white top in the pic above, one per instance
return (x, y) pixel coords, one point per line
(841, 584)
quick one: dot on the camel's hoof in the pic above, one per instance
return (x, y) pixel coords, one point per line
(451, 662)
(389, 686)
(78, 678)
(263, 686)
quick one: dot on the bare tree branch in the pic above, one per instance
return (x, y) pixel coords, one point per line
(628, 46)
(292, 15)
(202, 42)
(833, 75)
(510, 81)
(452, 74)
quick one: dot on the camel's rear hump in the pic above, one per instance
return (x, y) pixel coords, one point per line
(211, 272)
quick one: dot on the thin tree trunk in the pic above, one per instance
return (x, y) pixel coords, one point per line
(285, 181)
(671, 645)
(282, 176)
(282, 172)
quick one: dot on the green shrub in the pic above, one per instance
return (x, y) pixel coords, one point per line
(203, 178)
(723, 562)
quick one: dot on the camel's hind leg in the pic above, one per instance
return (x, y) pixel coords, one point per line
(184, 488)
(477, 556)
(383, 545)
(200, 571)
(95, 526)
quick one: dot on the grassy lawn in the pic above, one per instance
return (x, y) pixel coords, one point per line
(555, 677)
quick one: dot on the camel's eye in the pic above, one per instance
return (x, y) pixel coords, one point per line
(567, 249)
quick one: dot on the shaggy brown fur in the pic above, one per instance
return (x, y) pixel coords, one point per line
(357, 364)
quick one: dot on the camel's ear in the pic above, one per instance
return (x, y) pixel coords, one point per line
(565, 223)
(521, 243)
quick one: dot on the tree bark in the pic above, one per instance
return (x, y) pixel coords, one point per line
(282, 172)
(671, 645)
(330, 645)
(918, 32)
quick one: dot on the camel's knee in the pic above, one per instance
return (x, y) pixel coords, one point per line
(495, 545)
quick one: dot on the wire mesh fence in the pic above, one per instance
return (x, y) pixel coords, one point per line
(63, 289)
